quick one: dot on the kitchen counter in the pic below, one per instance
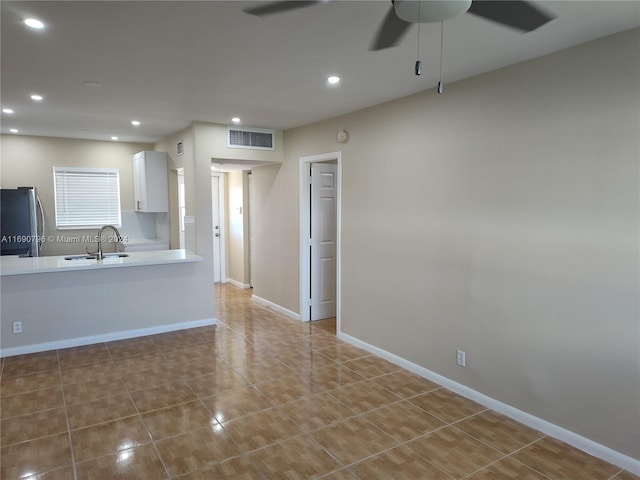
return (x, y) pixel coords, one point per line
(60, 303)
(13, 265)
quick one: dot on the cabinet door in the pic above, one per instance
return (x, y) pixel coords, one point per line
(156, 182)
(139, 182)
(150, 182)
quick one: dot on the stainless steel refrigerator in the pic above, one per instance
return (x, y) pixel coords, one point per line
(21, 222)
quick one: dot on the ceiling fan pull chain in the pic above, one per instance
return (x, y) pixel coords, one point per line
(440, 85)
(418, 66)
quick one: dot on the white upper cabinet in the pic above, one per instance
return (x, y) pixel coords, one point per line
(150, 182)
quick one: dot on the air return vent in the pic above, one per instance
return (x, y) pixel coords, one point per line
(250, 138)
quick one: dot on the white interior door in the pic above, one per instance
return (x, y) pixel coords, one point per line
(323, 240)
(252, 222)
(215, 208)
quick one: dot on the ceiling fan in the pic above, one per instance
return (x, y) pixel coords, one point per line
(517, 14)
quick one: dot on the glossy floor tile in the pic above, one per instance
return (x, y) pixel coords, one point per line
(454, 452)
(257, 397)
(299, 457)
(399, 463)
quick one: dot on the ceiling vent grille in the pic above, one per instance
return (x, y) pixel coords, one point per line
(250, 138)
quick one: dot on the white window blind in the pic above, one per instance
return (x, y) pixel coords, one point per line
(86, 197)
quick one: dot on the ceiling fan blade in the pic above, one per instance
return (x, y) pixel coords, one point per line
(517, 14)
(277, 7)
(390, 32)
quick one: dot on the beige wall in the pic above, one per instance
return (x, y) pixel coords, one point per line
(202, 143)
(501, 218)
(197, 180)
(186, 161)
(213, 138)
(29, 161)
(275, 273)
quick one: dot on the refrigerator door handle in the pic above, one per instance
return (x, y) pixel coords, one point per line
(42, 234)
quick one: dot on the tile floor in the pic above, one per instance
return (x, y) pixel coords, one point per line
(260, 396)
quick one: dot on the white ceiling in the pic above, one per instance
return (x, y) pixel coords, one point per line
(169, 63)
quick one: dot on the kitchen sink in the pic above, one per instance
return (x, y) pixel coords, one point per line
(92, 257)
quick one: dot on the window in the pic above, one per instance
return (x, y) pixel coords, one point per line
(86, 197)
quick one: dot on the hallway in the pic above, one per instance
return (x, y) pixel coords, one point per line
(260, 396)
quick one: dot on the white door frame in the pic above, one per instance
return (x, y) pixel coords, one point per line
(223, 233)
(305, 225)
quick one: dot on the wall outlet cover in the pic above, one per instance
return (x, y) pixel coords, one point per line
(461, 358)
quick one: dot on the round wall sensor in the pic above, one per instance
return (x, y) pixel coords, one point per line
(342, 136)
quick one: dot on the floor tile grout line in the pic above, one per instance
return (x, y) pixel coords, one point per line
(511, 455)
(66, 414)
(152, 440)
(354, 416)
(327, 451)
(403, 444)
(216, 418)
(63, 407)
(526, 464)
(616, 474)
(426, 434)
(27, 414)
(220, 424)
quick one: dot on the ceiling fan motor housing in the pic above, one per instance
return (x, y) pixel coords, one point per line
(429, 11)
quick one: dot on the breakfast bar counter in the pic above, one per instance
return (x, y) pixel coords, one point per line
(58, 302)
(14, 265)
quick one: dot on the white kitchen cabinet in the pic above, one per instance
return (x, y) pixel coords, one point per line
(150, 182)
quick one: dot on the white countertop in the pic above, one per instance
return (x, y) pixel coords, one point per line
(14, 265)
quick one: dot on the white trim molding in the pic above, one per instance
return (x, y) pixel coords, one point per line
(582, 443)
(236, 283)
(305, 227)
(107, 337)
(276, 307)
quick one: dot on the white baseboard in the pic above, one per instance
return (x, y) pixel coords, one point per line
(589, 446)
(237, 283)
(275, 307)
(107, 337)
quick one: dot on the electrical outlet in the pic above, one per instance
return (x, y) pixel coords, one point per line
(461, 358)
(17, 327)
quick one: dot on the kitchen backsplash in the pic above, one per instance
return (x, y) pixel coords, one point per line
(152, 226)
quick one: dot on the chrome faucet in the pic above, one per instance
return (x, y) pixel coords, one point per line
(98, 253)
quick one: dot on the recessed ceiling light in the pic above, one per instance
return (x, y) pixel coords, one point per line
(333, 80)
(7, 110)
(114, 138)
(33, 23)
(235, 120)
(37, 98)
(13, 130)
(135, 123)
(91, 83)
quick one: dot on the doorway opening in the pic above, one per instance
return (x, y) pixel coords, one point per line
(320, 220)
